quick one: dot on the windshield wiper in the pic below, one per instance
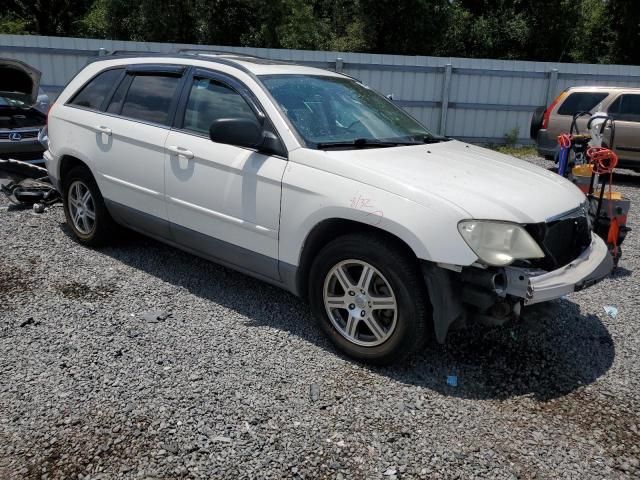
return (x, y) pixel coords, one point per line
(373, 143)
(435, 139)
(360, 143)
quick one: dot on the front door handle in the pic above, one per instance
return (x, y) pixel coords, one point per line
(181, 151)
(101, 129)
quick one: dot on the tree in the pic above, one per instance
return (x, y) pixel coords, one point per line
(47, 17)
(593, 38)
(12, 25)
(602, 31)
(412, 27)
(225, 22)
(624, 15)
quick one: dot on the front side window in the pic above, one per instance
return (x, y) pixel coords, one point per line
(581, 102)
(93, 93)
(626, 108)
(149, 98)
(334, 110)
(210, 100)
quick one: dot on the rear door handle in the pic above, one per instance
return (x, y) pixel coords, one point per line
(183, 152)
(101, 129)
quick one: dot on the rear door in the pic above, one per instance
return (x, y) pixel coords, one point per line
(130, 138)
(625, 110)
(223, 200)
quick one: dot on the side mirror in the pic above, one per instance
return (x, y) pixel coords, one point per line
(243, 132)
(237, 131)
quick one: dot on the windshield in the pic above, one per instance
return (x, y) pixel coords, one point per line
(327, 111)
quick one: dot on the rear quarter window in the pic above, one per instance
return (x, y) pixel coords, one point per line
(93, 94)
(581, 102)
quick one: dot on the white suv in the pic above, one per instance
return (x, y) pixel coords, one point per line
(312, 181)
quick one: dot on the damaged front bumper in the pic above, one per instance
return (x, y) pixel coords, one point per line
(494, 295)
(535, 286)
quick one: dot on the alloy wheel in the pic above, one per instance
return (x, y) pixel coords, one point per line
(81, 207)
(360, 303)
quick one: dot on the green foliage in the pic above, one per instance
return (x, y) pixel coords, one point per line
(625, 26)
(595, 43)
(519, 152)
(12, 25)
(47, 17)
(95, 22)
(511, 137)
(597, 31)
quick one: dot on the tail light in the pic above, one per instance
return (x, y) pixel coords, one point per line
(547, 112)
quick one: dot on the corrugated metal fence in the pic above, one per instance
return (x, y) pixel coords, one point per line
(476, 100)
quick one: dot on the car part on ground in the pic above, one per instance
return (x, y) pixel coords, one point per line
(22, 111)
(27, 184)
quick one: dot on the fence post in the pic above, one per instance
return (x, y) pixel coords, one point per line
(553, 85)
(446, 88)
(339, 64)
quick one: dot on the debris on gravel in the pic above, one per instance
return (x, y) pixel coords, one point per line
(141, 361)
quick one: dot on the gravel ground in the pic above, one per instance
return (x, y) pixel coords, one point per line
(140, 361)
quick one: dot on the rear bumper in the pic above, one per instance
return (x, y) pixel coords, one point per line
(51, 166)
(7, 148)
(546, 143)
(593, 265)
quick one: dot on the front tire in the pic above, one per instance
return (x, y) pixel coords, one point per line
(369, 297)
(84, 208)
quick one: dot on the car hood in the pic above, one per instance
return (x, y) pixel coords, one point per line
(19, 81)
(484, 183)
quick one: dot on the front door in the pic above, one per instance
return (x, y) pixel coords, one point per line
(625, 110)
(222, 200)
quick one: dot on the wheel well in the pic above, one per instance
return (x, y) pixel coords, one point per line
(327, 231)
(67, 163)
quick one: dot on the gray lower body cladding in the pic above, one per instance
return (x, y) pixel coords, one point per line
(246, 261)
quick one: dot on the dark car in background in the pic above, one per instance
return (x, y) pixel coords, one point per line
(23, 111)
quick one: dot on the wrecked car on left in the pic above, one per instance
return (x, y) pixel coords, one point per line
(22, 111)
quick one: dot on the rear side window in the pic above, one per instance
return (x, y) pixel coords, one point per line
(626, 108)
(94, 93)
(210, 100)
(115, 105)
(581, 102)
(149, 98)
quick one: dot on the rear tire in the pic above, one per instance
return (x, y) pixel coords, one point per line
(369, 297)
(536, 122)
(84, 209)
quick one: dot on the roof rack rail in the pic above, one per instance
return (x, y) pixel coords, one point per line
(211, 51)
(137, 53)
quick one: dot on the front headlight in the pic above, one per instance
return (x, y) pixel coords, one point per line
(498, 243)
